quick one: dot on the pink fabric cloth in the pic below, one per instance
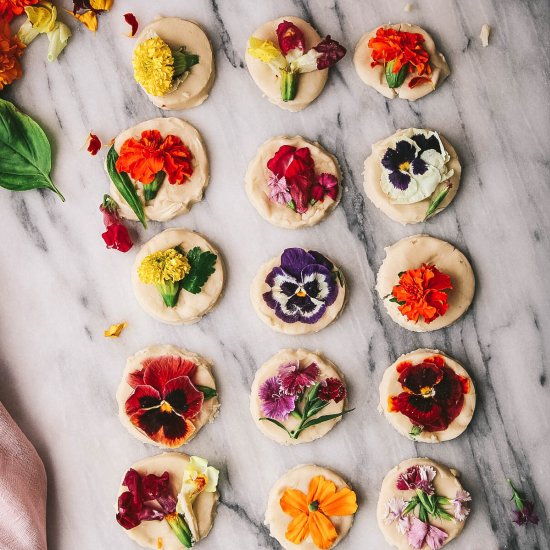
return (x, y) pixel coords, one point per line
(22, 490)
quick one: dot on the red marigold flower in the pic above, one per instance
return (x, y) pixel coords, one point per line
(291, 40)
(332, 389)
(11, 49)
(420, 293)
(94, 144)
(402, 48)
(143, 159)
(433, 394)
(10, 8)
(326, 186)
(165, 403)
(130, 18)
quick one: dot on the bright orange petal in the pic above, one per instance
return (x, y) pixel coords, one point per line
(322, 531)
(342, 503)
(298, 528)
(293, 502)
(320, 489)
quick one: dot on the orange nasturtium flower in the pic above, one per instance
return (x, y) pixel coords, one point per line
(420, 292)
(311, 513)
(10, 8)
(11, 49)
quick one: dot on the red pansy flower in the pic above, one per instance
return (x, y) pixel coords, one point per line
(433, 393)
(332, 388)
(164, 400)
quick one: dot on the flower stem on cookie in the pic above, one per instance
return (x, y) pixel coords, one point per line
(180, 529)
(438, 198)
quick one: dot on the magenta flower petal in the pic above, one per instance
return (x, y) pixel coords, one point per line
(417, 477)
(276, 404)
(332, 389)
(294, 379)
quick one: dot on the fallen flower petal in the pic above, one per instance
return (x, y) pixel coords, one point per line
(130, 18)
(114, 331)
(417, 80)
(87, 18)
(94, 144)
(525, 512)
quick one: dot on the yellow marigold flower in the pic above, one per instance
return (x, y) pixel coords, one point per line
(164, 265)
(154, 66)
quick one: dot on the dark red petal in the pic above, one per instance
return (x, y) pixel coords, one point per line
(300, 191)
(154, 486)
(416, 377)
(130, 18)
(143, 397)
(417, 80)
(117, 237)
(281, 160)
(290, 37)
(176, 431)
(422, 411)
(94, 144)
(317, 192)
(149, 421)
(160, 370)
(127, 514)
(135, 378)
(184, 397)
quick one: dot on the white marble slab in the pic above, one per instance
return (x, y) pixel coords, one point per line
(61, 288)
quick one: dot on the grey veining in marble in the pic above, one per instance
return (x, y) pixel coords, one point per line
(61, 288)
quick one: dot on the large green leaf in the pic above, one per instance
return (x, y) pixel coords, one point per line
(25, 152)
(202, 266)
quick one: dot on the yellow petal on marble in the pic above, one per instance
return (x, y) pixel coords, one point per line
(101, 5)
(114, 331)
(88, 19)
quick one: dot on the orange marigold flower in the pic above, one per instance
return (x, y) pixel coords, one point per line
(401, 47)
(10, 8)
(311, 513)
(420, 293)
(144, 158)
(11, 49)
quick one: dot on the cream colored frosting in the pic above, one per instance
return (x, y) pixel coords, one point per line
(202, 376)
(299, 478)
(270, 368)
(190, 307)
(405, 213)
(197, 84)
(376, 77)
(390, 386)
(310, 85)
(267, 315)
(257, 189)
(171, 200)
(148, 533)
(445, 483)
(411, 253)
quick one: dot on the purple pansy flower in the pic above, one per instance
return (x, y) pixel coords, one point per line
(417, 477)
(276, 403)
(302, 287)
(421, 533)
(294, 380)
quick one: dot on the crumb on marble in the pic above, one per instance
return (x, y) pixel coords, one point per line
(484, 35)
(408, 7)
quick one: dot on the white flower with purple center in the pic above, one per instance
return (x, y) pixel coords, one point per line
(393, 512)
(460, 506)
(414, 167)
(302, 287)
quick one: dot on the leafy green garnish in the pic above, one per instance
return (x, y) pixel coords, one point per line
(395, 80)
(208, 393)
(202, 266)
(125, 187)
(438, 198)
(415, 431)
(25, 152)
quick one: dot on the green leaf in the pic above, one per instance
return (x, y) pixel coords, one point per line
(277, 423)
(25, 152)
(413, 503)
(415, 431)
(324, 418)
(202, 266)
(125, 187)
(438, 198)
(208, 393)
(395, 80)
(150, 190)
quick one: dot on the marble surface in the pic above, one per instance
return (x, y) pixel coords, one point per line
(61, 288)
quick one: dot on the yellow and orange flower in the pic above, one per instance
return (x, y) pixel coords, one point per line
(11, 49)
(311, 513)
(420, 292)
(10, 8)
(400, 47)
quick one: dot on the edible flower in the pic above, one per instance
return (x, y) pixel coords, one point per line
(275, 402)
(11, 49)
(130, 18)
(114, 331)
(423, 533)
(151, 158)
(117, 235)
(94, 144)
(332, 389)
(87, 11)
(414, 167)
(87, 18)
(290, 58)
(302, 287)
(165, 400)
(42, 19)
(420, 293)
(311, 513)
(394, 511)
(401, 53)
(11, 8)
(165, 269)
(525, 512)
(417, 477)
(295, 379)
(149, 498)
(293, 181)
(460, 504)
(158, 68)
(432, 396)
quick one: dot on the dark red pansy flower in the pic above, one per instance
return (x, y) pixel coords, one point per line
(291, 39)
(138, 503)
(164, 400)
(332, 389)
(433, 393)
(130, 18)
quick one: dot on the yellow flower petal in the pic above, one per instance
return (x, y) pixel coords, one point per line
(42, 16)
(88, 19)
(101, 5)
(264, 50)
(114, 331)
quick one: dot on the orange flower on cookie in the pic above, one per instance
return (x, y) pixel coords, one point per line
(311, 513)
(420, 293)
(10, 8)
(11, 49)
